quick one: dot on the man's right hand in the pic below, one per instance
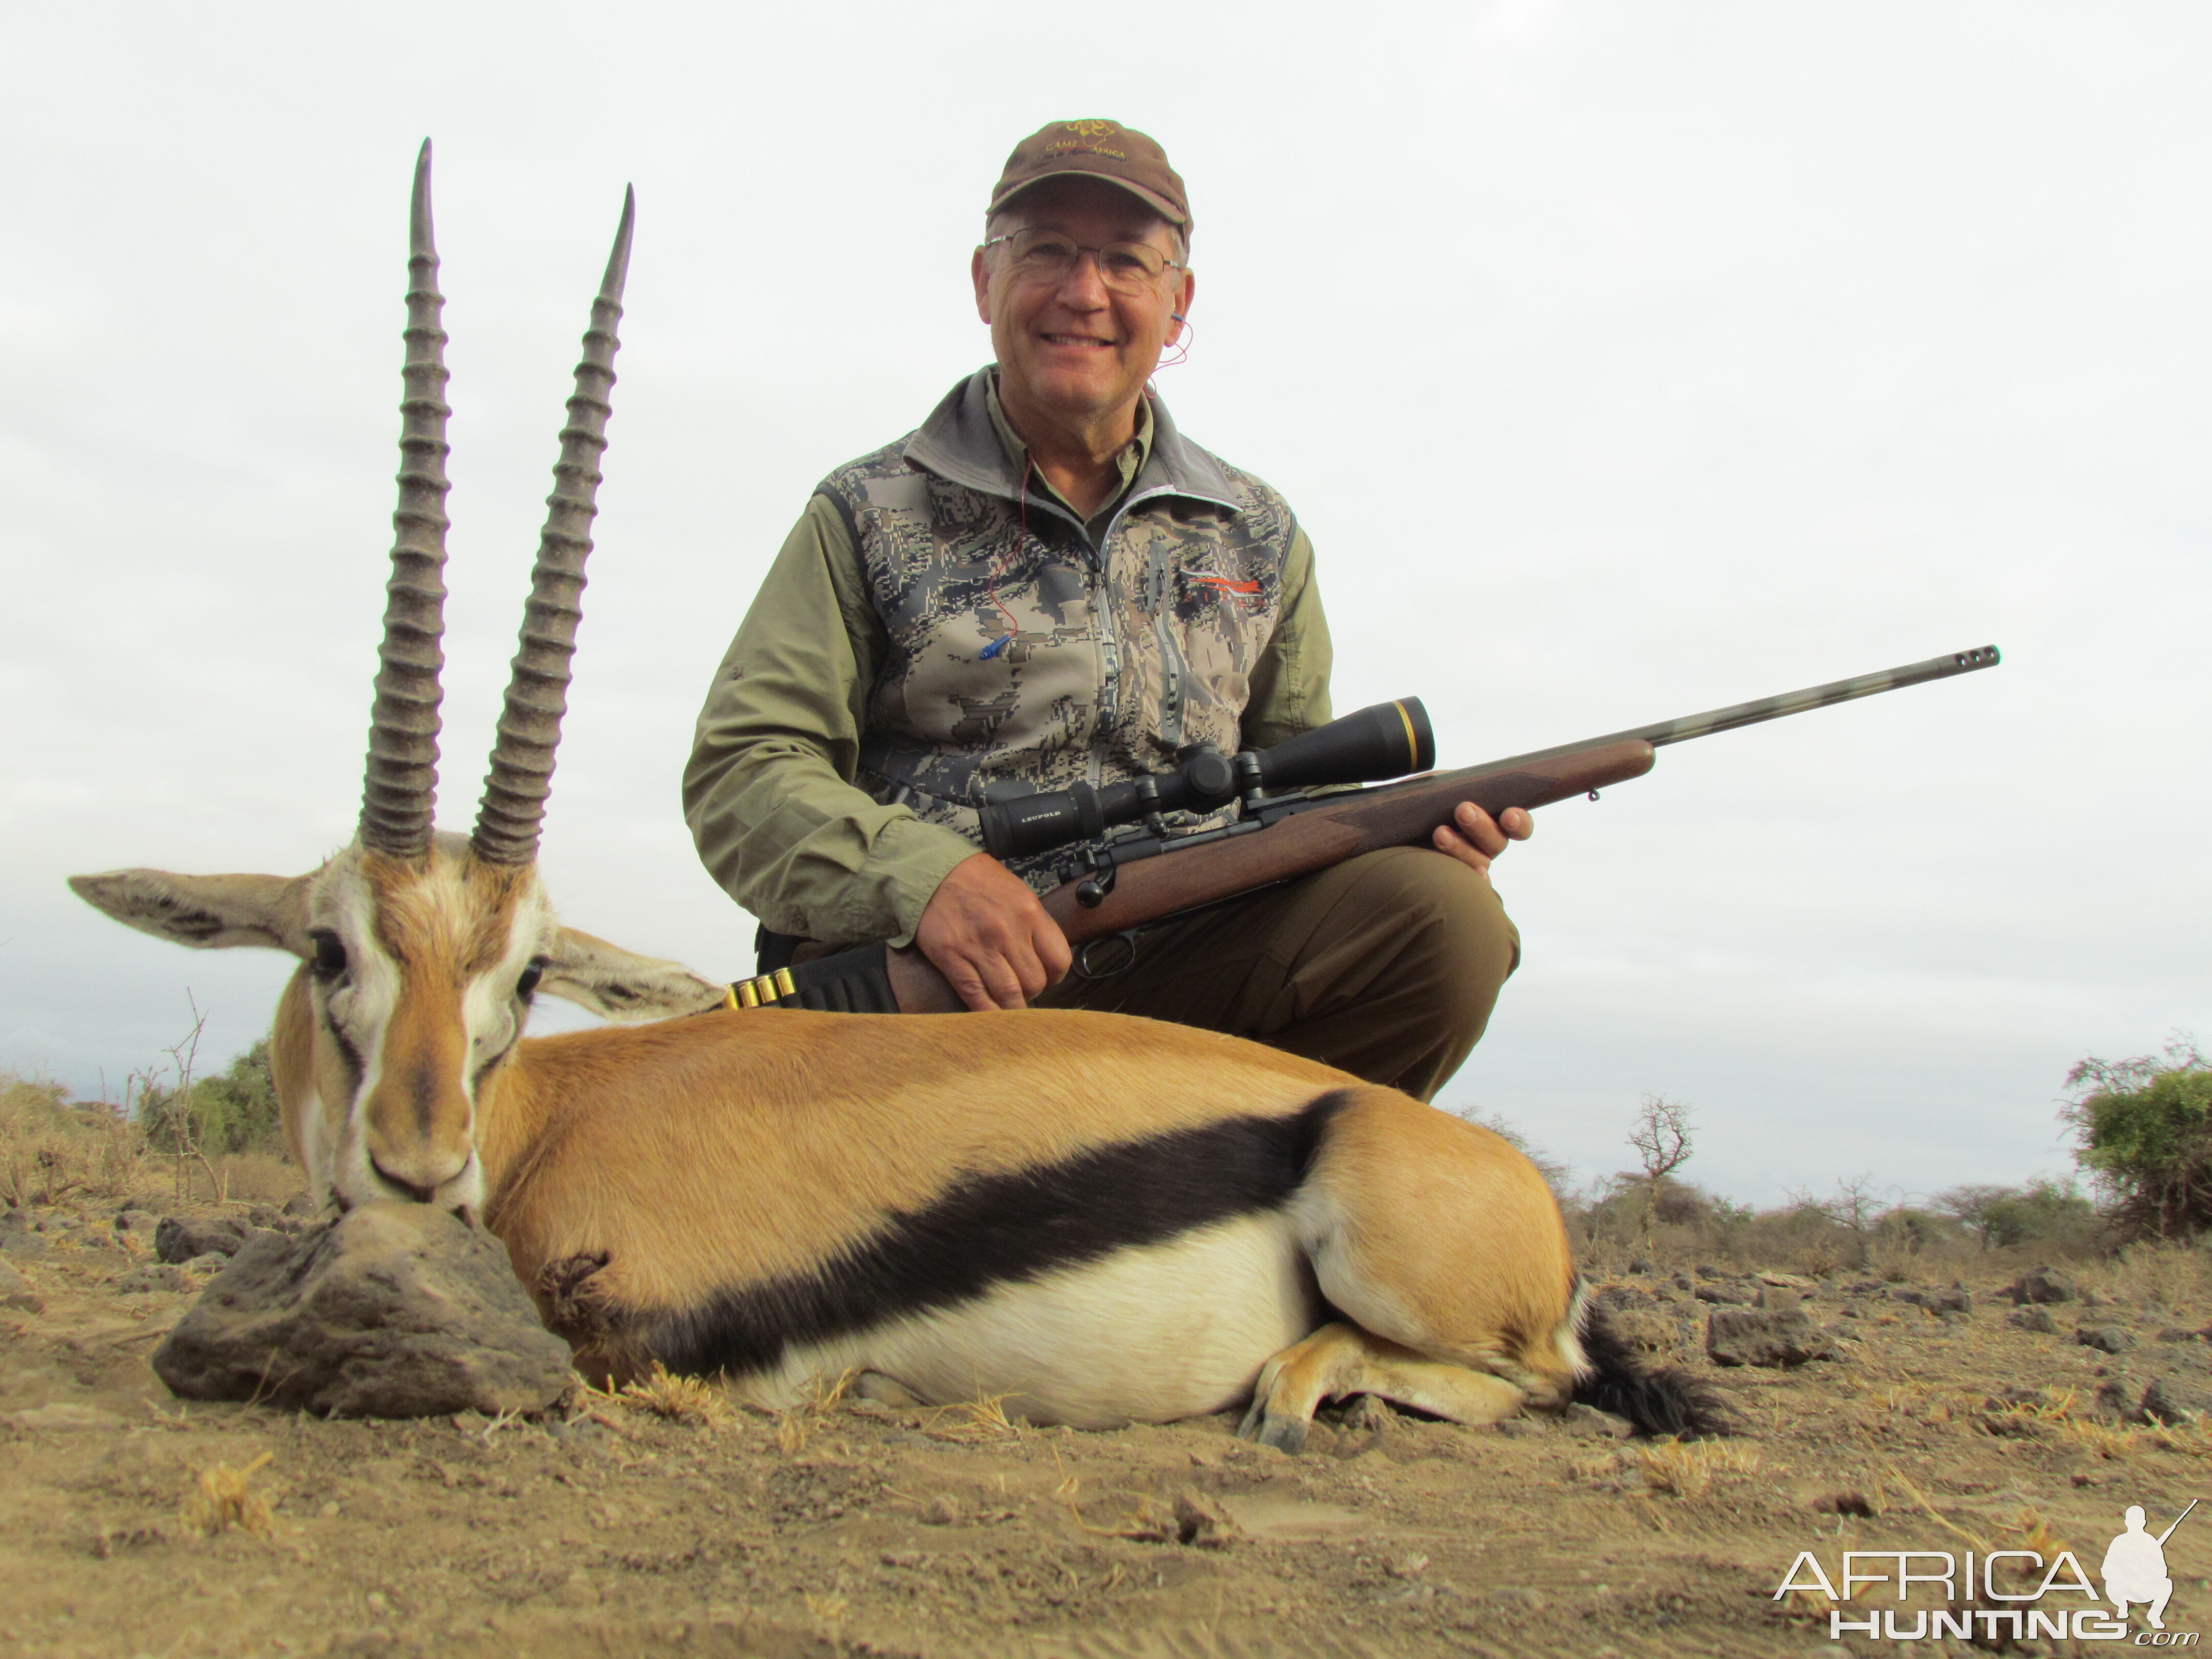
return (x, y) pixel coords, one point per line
(984, 930)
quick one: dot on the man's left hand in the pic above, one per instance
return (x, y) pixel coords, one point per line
(1474, 838)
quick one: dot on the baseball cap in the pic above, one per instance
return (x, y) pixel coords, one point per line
(1097, 149)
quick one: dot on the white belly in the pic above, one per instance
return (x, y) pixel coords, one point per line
(1149, 1334)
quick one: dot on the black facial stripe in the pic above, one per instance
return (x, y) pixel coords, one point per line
(475, 1080)
(991, 1229)
(347, 1052)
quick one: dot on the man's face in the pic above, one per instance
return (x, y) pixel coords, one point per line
(1078, 348)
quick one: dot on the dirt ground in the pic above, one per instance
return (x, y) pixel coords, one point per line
(132, 1522)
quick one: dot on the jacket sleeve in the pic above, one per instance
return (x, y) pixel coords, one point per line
(768, 792)
(1289, 683)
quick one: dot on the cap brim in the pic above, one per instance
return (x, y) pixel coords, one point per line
(1152, 199)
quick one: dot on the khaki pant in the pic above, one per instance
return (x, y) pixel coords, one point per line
(1385, 965)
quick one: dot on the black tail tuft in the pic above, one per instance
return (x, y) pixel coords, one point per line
(1658, 1400)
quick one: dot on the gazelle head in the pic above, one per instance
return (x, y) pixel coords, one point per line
(419, 951)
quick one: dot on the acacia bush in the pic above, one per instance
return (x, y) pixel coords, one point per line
(235, 1111)
(2143, 1127)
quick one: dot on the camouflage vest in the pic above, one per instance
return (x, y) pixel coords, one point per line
(1032, 660)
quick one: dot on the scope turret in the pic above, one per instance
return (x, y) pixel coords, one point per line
(1385, 741)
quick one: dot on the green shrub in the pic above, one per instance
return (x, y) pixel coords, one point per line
(2142, 1128)
(234, 1112)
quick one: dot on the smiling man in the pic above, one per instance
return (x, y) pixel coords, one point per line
(1047, 584)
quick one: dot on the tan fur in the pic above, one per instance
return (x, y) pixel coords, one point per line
(636, 1172)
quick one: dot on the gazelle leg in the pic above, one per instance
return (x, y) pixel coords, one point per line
(1339, 1359)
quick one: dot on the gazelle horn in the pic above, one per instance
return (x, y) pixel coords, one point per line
(400, 797)
(514, 809)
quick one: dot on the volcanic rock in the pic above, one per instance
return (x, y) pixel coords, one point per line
(176, 1239)
(2033, 1318)
(1772, 1337)
(2045, 1285)
(2170, 1400)
(391, 1310)
(2105, 1338)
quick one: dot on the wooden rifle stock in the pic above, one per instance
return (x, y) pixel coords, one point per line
(1336, 828)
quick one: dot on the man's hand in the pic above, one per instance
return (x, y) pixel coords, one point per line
(1474, 838)
(984, 930)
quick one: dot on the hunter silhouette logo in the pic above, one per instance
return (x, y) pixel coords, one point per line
(2133, 1570)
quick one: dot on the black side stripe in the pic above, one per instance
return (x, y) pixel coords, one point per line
(987, 1230)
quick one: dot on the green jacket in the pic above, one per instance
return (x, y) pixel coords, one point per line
(941, 628)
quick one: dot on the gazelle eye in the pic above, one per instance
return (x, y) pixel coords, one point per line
(329, 954)
(531, 976)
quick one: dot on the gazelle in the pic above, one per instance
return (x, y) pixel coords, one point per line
(1101, 1219)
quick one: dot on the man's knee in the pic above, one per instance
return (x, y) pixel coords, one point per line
(1444, 914)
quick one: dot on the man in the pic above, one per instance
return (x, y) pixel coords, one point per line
(1047, 584)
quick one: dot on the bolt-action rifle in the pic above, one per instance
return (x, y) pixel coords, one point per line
(1293, 816)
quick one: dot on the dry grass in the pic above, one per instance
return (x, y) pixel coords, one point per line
(51, 1151)
(1686, 1468)
(971, 1421)
(224, 1498)
(795, 1427)
(2164, 1274)
(678, 1399)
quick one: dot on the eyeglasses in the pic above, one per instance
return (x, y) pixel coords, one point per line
(1048, 255)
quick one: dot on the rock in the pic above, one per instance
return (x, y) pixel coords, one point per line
(1758, 1336)
(14, 1220)
(1653, 1333)
(1789, 1281)
(1624, 1295)
(23, 1243)
(16, 1294)
(1683, 1282)
(1202, 1523)
(145, 1281)
(391, 1310)
(2114, 1402)
(1642, 1265)
(301, 1204)
(1706, 1270)
(2104, 1339)
(1518, 1428)
(1956, 1300)
(176, 1239)
(1777, 1299)
(2033, 1318)
(2044, 1285)
(2170, 1400)
(1588, 1423)
(206, 1267)
(1724, 1295)
(2176, 1333)
(138, 1224)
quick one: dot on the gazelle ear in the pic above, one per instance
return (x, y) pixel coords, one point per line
(614, 984)
(208, 913)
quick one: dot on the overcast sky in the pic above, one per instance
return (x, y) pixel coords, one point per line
(1623, 360)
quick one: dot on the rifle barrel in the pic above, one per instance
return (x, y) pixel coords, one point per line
(1791, 702)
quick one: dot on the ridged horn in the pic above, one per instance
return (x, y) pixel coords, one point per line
(400, 797)
(521, 777)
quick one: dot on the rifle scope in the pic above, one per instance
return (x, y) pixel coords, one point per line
(1385, 741)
